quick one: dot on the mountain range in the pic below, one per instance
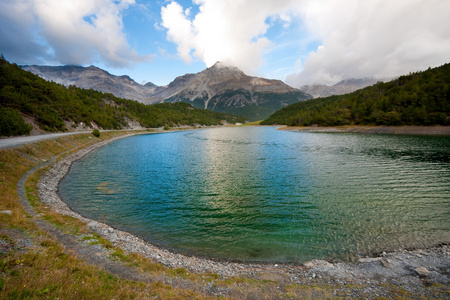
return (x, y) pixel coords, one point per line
(343, 87)
(96, 79)
(220, 88)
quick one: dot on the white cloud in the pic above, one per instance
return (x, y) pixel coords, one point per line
(180, 29)
(373, 38)
(359, 38)
(228, 31)
(73, 32)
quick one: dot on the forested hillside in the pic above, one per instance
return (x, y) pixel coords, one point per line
(421, 98)
(51, 104)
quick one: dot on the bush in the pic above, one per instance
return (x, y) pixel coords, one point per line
(12, 123)
(96, 133)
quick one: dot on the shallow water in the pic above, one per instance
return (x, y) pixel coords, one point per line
(257, 194)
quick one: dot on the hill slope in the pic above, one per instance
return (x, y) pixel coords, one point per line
(54, 107)
(421, 98)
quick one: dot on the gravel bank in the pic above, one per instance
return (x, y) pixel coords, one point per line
(410, 130)
(411, 269)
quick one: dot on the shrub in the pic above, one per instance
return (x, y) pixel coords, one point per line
(12, 123)
(96, 133)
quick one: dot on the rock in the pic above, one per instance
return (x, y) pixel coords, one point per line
(387, 263)
(422, 271)
(318, 263)
(369, 259)
(7, 212)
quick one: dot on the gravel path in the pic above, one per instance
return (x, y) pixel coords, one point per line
(412, 270)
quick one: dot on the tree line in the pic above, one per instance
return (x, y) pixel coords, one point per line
(51, 105)
(421, 98)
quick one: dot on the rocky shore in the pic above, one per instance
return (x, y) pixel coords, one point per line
(411, 269)
(409, 130)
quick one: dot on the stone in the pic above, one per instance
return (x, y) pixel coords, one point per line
(369, 259)
(7, 212)
(422, 271)
(318, 263)
(387, 263)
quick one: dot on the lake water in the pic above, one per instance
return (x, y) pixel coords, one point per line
(258, 194)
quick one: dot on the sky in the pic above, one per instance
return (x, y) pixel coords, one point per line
(297, 41)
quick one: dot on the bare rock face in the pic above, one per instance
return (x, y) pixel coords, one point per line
(96, 79)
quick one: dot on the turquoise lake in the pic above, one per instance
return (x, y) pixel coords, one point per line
(260, 194)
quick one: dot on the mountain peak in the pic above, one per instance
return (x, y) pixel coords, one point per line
(226, 88)
(218, 64)
(95, 78)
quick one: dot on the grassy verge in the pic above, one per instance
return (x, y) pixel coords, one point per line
(255, 123)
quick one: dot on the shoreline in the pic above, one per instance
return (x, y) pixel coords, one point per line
(399, 267)
(397, 130)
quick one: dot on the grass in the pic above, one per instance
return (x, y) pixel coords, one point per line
(35, 265)
(255, 123)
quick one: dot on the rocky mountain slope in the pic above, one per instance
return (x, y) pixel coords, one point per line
(343, 87)
(96, 79)
(219, 88)
(227, 89)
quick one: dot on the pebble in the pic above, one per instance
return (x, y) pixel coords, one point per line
(318, 263)
(369, 259)
(387, 263)
(422, 271)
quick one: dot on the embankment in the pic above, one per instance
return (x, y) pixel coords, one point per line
(410, 130)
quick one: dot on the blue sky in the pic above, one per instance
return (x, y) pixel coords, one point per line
(298, 41)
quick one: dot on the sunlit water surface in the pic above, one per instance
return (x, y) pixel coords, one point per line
(258, 194)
